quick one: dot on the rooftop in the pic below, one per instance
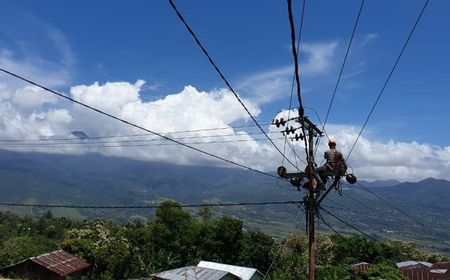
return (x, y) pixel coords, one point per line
(245, 273)
(60, 262)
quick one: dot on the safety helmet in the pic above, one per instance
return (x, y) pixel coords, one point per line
(331, 141)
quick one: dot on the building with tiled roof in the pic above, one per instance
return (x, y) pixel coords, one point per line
(51, 266)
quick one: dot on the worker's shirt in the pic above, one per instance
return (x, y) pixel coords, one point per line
(334, 159)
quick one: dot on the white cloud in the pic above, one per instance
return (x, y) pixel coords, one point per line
(368, 38)
(407, 161)
(34, 68)
(193, 109)
(316, 59)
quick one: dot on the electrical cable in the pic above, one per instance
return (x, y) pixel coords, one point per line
(149, 206)
(145, 134)
(135, 125)
(389, 76)
(301, 110)
(292, 89)
(281, 247)
(110, 144)
(343, 63)
(352, 226)
(211, 61)
(334, 230)
(390, 204)
(93, 139)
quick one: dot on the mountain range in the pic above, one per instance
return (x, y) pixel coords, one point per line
(418, 211)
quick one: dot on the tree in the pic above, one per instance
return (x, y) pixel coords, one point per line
(19, 248)
(228, 234)
(256, 250)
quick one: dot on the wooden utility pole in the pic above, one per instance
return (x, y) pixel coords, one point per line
(311, 206)
(315, 192)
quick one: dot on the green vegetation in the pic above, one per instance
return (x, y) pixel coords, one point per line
(175, 238)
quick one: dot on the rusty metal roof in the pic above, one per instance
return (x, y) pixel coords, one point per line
(60, 262)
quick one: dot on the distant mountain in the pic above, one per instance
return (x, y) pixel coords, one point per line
(93, 179)
(380, 183)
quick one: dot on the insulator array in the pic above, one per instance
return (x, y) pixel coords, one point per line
(279, 122)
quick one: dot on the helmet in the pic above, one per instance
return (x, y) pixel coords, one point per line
(331, 141)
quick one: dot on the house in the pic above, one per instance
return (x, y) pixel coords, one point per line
(194, 273)
(51, 266)
(361, 267)
(209, 271)
(414, 270)
(244, 273)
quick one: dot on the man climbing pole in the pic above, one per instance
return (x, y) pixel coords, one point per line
(334, 165)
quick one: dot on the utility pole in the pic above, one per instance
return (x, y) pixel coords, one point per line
(316, 193)
(311, 207)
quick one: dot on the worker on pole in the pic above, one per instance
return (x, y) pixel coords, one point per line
(334, 166)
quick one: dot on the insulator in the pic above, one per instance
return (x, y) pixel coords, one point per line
(281, 171)
(292, 129)
(287, 131)
(298, 136)
(282, 121)
(351, 179)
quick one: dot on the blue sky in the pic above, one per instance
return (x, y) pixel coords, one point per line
(89, 41)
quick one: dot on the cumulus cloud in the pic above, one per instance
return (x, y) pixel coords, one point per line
(44, 117)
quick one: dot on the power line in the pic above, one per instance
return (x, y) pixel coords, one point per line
(352, 226)
(389, 76)
(390, 204)
(294, 53)
(211, 61)
(135, 125)
(278, 251)
(343, 63)
(150, 206)
(301, 110)
(145, 134)
(292, 86)
(94, 139)
(109, 144)
(334, 230)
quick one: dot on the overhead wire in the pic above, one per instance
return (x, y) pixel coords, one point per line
(149, 206)
(389, 76)
(211, 61)
(351, 226)
(133, 144)
(280, 248)
(390, 204)
(355, 25)
(95, 138)
(301, 112)
(292, 89)
(334, 230)
(135, 125)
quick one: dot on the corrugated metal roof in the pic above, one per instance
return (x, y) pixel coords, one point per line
(192, 273)
(413, 263)
(60, 262)
(246, 273)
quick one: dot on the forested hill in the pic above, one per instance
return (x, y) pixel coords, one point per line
(176, 238)
(93, 179)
